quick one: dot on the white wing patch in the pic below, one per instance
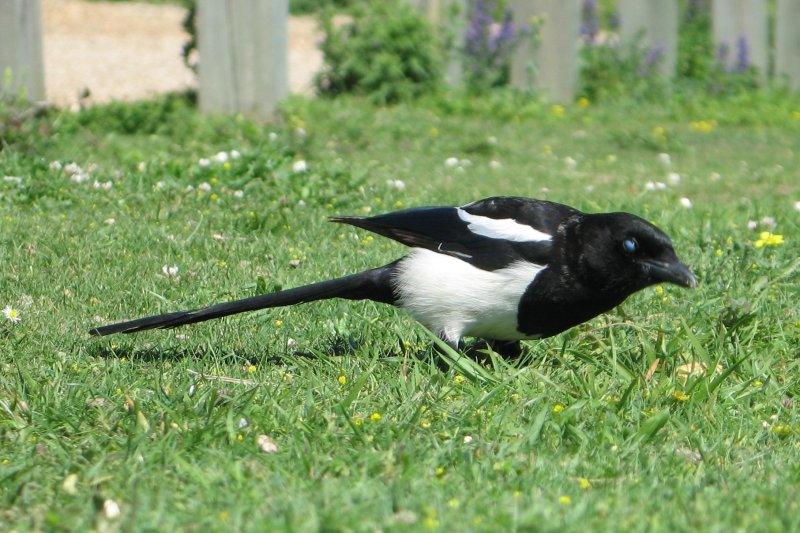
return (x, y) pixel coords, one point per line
(505, 228)
(455, 299)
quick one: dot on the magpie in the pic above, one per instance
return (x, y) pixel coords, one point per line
(503, 269)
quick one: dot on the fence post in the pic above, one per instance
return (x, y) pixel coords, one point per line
(740, 33)
(21, 47)
(659, 21)
(787, 42)
(552, 64)
(449, 19)
(242, 46)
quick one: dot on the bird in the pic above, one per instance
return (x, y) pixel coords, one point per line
(503, 269)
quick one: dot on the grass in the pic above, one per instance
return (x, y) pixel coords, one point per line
(598, 428)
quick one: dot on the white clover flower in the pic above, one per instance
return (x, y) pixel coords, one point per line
(665, 159)
(494, 164)
(685, 202)
(111, 509)
(205, 186)
(204, 162)
(220, 157)
(79, 177)
(160, 185)
(752, 225)
(238, 194)
(451, 162)
(797, 206)
(54, 165)
(170, 270)
(491, 139)
(235, 154)
(110, 221)
(467, 439)
(189, 188)
(768, 222)
(11, 314)
(396, 184)
(715, 176)
(106, 186)
(72, 169)
(142, 166)
(571, 163)
(299, 166)
(291, 343)
(674, 178)
(13, 179)
(301, 132)
(272, 136)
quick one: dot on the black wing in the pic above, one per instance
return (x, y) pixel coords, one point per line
(460, 232)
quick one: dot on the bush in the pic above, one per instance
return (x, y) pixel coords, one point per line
(386, 52)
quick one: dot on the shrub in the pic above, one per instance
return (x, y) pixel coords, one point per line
(386, 52)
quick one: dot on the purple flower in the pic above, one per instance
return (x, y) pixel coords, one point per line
(652, 58)
(742, 55)
(590, 25)
(488, 43)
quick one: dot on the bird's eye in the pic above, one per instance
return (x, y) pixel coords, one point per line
(630, 246)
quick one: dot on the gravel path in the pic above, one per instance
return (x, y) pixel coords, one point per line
(129, 51)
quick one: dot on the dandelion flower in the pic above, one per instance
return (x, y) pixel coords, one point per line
(299, 166)
(765, 238)
(11, 314)
(584, 483)
(583, 102)
(375, 417)
(564, 500)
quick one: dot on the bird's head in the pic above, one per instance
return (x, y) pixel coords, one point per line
(620, 253)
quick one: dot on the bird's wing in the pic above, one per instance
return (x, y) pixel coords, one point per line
(489, 234)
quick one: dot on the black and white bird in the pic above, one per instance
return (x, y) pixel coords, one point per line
(503, 269)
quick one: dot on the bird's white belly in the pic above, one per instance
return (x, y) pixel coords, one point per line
(455, 299)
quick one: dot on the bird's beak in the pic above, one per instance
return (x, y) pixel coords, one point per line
(676, 273)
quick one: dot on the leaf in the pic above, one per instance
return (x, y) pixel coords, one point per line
(650, 428)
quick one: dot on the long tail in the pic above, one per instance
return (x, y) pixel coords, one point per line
(375, 284)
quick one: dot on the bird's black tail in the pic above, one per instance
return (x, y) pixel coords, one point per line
(375, 284)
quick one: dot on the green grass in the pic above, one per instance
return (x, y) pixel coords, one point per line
(595, 429)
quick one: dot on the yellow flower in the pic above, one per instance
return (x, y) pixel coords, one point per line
(398, 204)
(425, 423)
(357, 420)
(659, 131)
(278, 323)
(557, 408)
(796, 115)
(252, 369)
(452, 502)
(440, 471)
(224, 516)
(583, 102)
(584, 483)
(557, 110)
(214, 197)
(680, 396)
(719, 252)
(564, 500)
(240, 437)
(375, 417)
(782, 431)
(703, 125)
(547, 149)
(342, 380)
(659, 290)
(458, 379)
(434, 132)
(768, 239)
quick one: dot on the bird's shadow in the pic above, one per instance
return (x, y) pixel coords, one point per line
(334, 346)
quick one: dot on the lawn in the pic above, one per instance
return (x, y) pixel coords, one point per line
(673, 412)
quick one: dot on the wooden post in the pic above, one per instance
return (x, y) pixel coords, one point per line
(242, 46)
(740, 31)
(449, 18)
(787, 42)
(658, 19)
(551, 65)
(21, 48)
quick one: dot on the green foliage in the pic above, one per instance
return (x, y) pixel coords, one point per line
(387, 52)
(620, 70)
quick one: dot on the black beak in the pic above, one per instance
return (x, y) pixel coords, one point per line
(676, 273)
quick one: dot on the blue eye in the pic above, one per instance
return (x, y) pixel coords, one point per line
(630, 246)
